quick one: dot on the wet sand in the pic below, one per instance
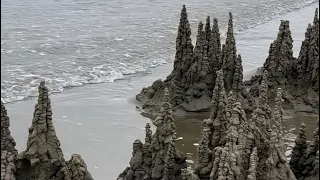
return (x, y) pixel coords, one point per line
(100, 121)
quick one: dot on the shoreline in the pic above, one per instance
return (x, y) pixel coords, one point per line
(243, 49)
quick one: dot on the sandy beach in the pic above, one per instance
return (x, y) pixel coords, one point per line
(100, 121)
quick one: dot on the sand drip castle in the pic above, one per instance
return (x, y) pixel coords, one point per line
(43, 158)
(208, 77)
(241, 140)
(193, 77)
(231, 146)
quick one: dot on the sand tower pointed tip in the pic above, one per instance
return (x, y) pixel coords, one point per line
(316, 14)
(230, 15)
(219, 78)
(7, 141)
(230, 94)
(264, 77)
(239, 58)
(215, 26)
(42, 83)
(208, 28)
(208, 23)
(184, 9)
(231, 98)
(184, 48)
(3, 110)
(278, 110)
(302, 128)
(166, 92)
(299, 151)
(200, 26)
(279, 93)
(280, 59)
(137, 142)
(230, 25)
(166, 96)
(214, 53)
(279, 97)
(265, 72)
(148, 131)
(76, 168)
(42, 87)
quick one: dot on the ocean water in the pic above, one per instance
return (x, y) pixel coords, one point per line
(72, 43)
(75, 43)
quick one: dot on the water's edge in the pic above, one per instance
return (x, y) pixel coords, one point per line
(100, 73)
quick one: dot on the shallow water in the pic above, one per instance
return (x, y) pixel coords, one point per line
(72, 43)
(189, 130)
(100, 121)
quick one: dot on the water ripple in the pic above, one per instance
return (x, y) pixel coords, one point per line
(74, 43)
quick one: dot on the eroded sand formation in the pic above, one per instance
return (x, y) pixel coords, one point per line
(158, 157)
(209, 77)
(231, 146)
(8, 151)
(252, 149)
(206, 77)
(193, 77)
(305, 159)
(43, 158)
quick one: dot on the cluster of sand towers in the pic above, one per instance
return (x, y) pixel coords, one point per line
(206, 77)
